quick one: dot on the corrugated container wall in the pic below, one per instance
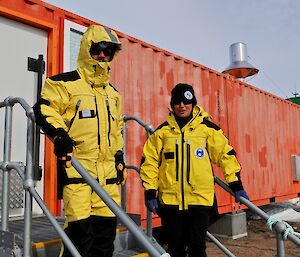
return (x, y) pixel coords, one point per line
(264, 129)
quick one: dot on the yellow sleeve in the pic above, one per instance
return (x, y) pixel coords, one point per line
(120, 125)
(150, 162)
(56, 95)
(223, 154)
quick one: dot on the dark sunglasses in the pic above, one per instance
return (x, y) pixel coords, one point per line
(184, 101)
(104, 47)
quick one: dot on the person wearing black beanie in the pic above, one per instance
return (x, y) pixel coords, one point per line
(183, 100)
(177, 176)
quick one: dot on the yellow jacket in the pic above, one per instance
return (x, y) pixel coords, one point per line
(177, 163)
(89, 109)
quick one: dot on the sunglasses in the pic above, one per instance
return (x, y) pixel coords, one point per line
(183, 100)
(103, 47)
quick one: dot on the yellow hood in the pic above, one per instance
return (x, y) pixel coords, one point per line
(95, 72)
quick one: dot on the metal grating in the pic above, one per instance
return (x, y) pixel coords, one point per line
(296, 167)
(42, 229)
(16, 193)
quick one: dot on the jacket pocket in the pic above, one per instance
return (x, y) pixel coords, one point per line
(169, 155)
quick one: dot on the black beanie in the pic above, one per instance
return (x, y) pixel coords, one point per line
(183, 93)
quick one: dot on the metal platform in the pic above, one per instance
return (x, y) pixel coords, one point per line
(46, 241)
(42, 229)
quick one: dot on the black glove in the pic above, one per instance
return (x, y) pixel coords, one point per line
(152, 205)
(238, 190)
(120, 167)
(151, 201)
(239, 193)
(63, 144)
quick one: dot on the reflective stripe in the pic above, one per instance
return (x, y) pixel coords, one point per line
(98, 120)
(111, 35)
(177, 161)
(188, 160)
(76, 110)
(108, 118)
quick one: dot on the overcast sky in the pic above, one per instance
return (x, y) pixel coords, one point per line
(203, 30)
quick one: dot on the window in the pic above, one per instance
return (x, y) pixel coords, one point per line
(72, 36)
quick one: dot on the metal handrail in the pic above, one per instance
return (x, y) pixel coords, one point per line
(149, 130)
(150, 244)
(278, 227)
(28, 179)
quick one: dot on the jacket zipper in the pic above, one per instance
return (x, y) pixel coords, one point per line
(76, 110)
(188, 160)
(177, 159)
(182, 169)
(108, 118)
(98, 120)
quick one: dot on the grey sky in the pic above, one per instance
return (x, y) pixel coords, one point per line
(203, 30)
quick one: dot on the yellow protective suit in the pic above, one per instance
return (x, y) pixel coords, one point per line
(177, 163)
(89, 109)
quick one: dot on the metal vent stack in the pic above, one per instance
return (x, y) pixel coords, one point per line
(239, 66)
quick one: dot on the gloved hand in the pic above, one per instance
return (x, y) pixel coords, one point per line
(120, 167)
(152, 205)
(63, 146)
(239, 193)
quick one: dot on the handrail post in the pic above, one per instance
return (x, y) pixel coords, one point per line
(149, 130)
(280, 245)
(149, 214)
(123, 188)
(28, 183)
(6, 159)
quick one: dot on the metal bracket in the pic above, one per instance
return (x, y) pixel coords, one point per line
(36, 65)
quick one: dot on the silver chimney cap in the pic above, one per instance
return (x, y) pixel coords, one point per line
(239, 66)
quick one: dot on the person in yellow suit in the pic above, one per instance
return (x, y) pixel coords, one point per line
(177, 175)
(82, 113)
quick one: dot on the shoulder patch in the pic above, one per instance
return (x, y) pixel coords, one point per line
(210, 124)
(162, 125)
(66, 76)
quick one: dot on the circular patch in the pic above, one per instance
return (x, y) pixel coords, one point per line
(188, 95)
(199, 153)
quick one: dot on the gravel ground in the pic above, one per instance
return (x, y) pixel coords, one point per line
(260, 242)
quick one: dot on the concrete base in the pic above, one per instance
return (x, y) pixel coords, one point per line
(233, 225)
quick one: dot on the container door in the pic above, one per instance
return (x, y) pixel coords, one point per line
(18, 42)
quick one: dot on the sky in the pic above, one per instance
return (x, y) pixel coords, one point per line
(203, 30)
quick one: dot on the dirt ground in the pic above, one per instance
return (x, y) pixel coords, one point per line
(260, 242)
